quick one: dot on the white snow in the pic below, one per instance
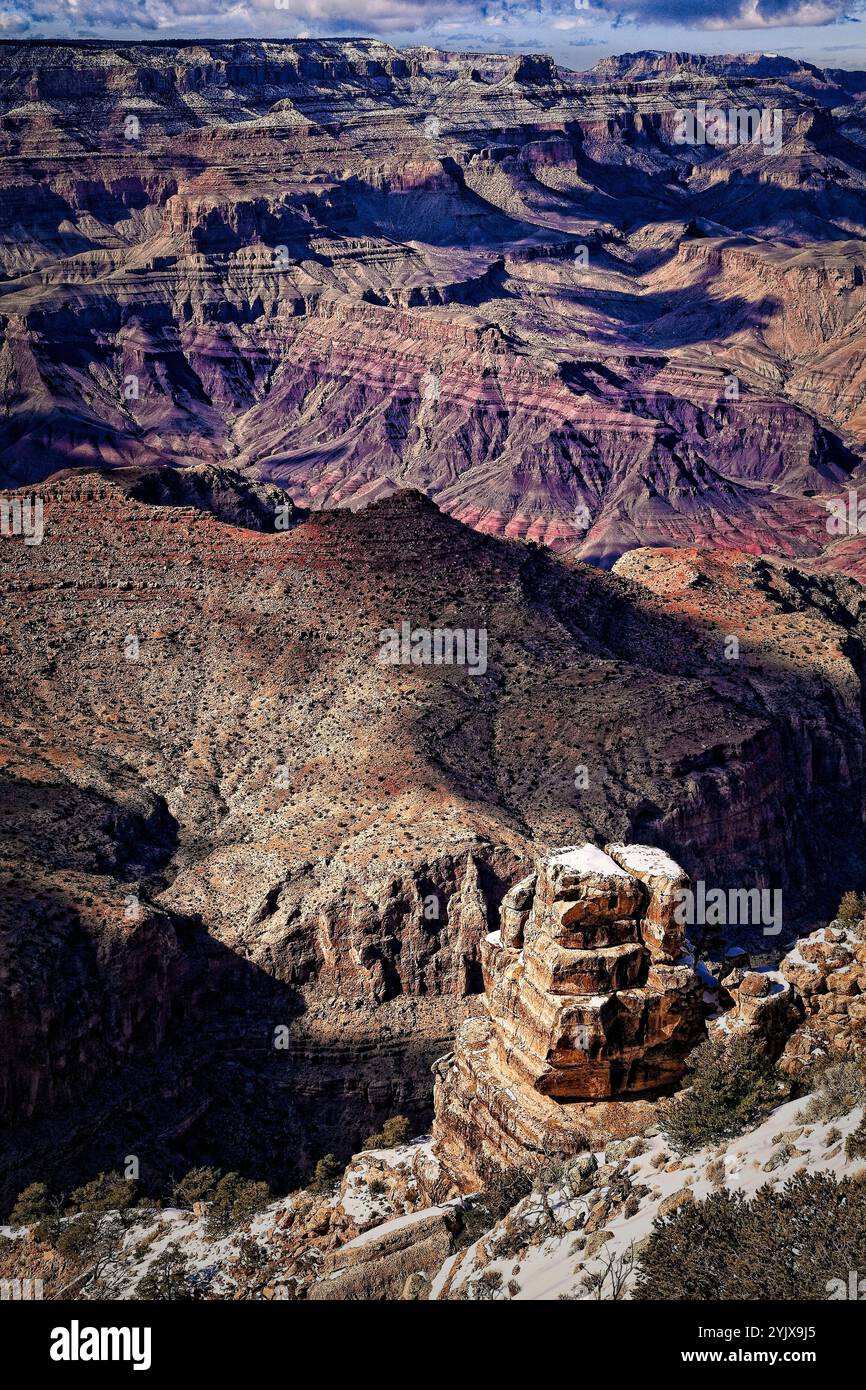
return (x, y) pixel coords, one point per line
(551, 1268)
(586, 859)
(399, 1223)
(646, 859)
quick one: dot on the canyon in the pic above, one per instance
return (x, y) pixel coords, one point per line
(351, 270)
(269, 862)
(434, 461)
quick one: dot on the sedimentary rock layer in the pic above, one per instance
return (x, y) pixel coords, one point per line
(350, 270)
(582, 1007)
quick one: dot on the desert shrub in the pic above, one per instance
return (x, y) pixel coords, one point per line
(855, 1144)
(610, 1282)
(252, 1255)
(235, 1201)
(715, 1172)
(504, 1190)
(31, 1206)
(852, 909)
(167, 1279)
(250, 1199)
(91, 1238)
(787, 1243)
(198, 1185)
(46, 1231)
(731, 1083)
(393, 1133)
(326, 1174)
(837, 1087)
(486, 1287)
(107, 1192)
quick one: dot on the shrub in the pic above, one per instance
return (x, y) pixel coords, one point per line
(31, 1206)
(715, 1172)
(198, 1185)
(45, 1232)
(503, 1192)
(107, 1192)
(731, 1083)
(486, 1287)
(393, 1133)
(249, 1200)
(252, 1255)
(852, 909)
(235, 1201)
(855, 1144)
(90, 1238)
(790, 1243)
(610, 1282)
(167, 1278)
(326, 1174)
(837, 1088)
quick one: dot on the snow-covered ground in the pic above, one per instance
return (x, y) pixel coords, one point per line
(769, 1154)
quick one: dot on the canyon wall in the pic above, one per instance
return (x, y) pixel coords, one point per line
(198, 725)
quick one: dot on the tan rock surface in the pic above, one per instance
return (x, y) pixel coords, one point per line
(566, 1025)
(828, 970)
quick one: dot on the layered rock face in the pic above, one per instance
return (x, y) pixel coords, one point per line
(342, 268)
(197, 716)
(591, 996)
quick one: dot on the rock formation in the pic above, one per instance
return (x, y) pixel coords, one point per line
(319, 842)
(343, 267)
(828, 971)
(591, 996)
(761, 1005)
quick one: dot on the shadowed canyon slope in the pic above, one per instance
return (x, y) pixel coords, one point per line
(250, 864)
(351, 270)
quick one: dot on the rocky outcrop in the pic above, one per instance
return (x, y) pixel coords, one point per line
(391, 1261)
(761, 1005)
(828, 971)
(591, 996)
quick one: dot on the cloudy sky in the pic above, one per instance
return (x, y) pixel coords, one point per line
(577, 32)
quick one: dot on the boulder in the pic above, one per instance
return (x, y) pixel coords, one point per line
(380, 1263)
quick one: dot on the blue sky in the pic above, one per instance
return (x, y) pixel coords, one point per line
(577, 32)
